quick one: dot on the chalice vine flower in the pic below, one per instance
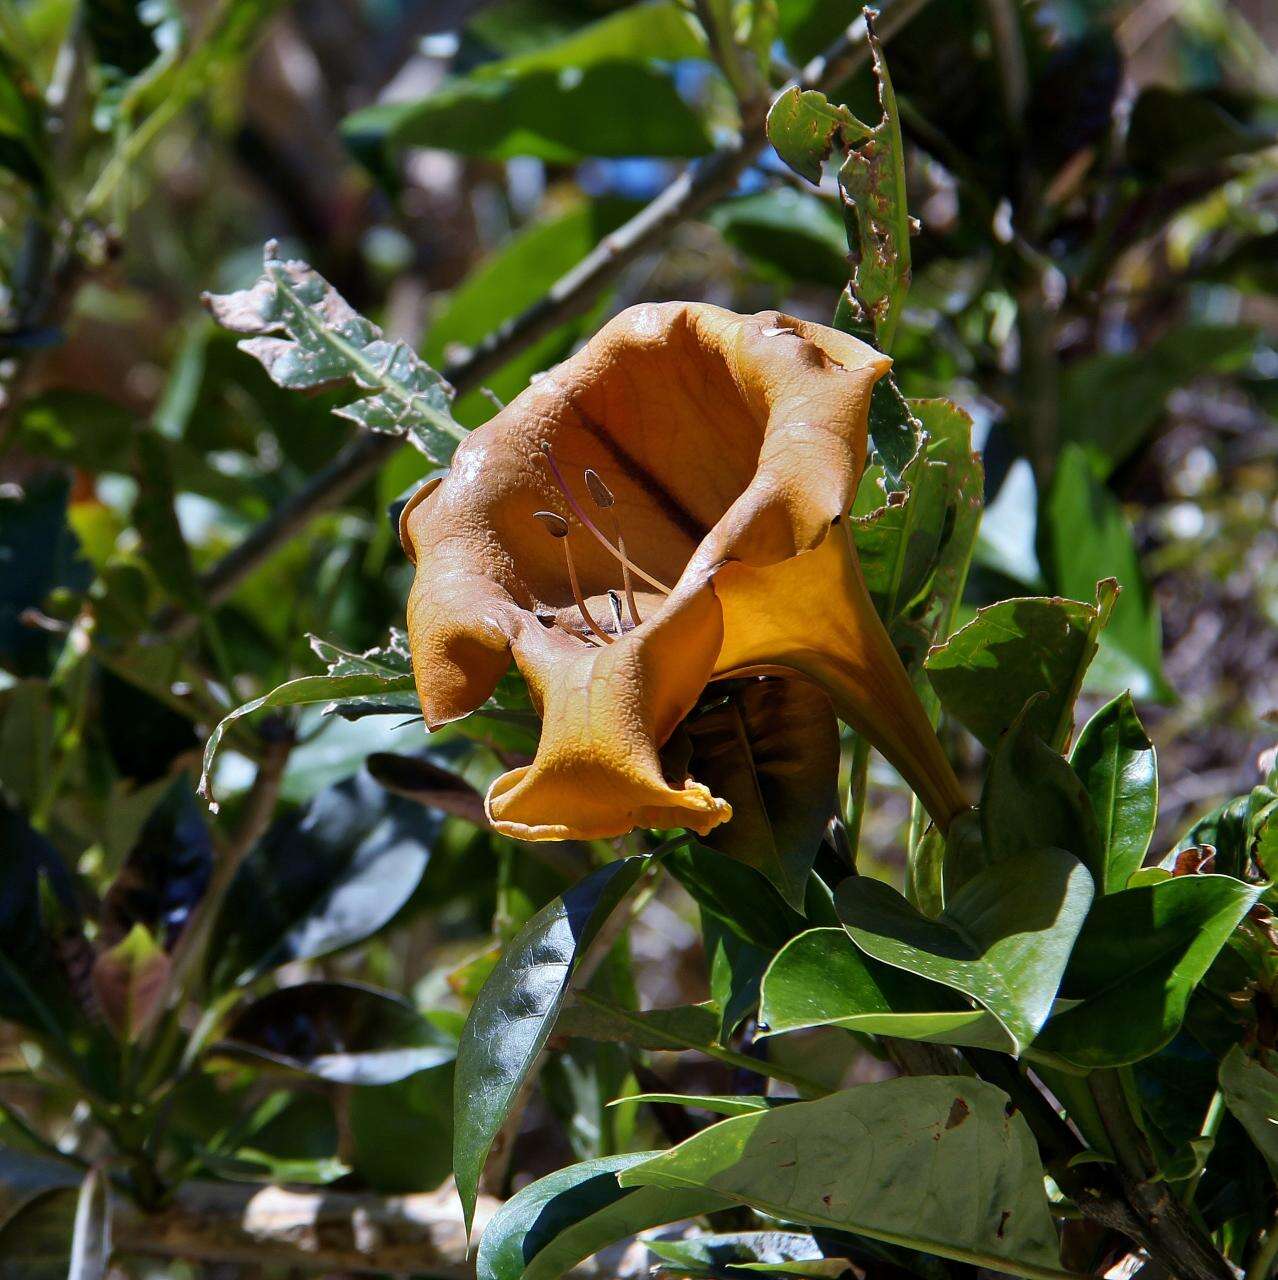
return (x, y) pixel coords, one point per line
(662, 510)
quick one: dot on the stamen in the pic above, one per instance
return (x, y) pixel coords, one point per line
(581, 515)
(558, 527)
(604, 501)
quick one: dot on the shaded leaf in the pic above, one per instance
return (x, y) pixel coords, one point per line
(1177, 129)
(775, 1252)
(736, 968)
(1033, 797)
(323, 878)
(821, 978)
(1136, 963)
(340, 1031)
(1004, 938)
(553, 1224)
(771, 749)
(515, 1012)
(684, 1026)
(35, 1240)
(402, 1133)
(787, 233)
(725, 1105)
(1118, 766)
(307, 335)
(1250, 1090)
(810, 1162)
(430, 784)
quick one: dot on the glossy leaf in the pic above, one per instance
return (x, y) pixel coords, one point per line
(1250, 1091)
(515, 1012)
(1003, 939)
(822, 979)
(773, 1252)
(321, 879)
(550, 1226)
(1083, 537)
(720, 1105)
(988, 670)
(1118, 765)
(1136, 963)
(1033, 797)
(428, 783)
(305, 335)
(855, 1160)
(771, 749)
(343, 1032)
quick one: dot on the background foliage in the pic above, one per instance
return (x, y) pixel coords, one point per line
(279, 991)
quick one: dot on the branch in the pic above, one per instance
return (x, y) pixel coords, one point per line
(693, 191)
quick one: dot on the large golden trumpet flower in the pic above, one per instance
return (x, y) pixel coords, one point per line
(664, 509)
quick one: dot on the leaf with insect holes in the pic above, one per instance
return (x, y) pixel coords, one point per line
(306, 335)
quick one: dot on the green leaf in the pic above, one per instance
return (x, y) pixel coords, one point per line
(821, 978)
(550, 1226)
(559, 116)
(372, 683)
(1083, 536)
(323, 878)
(23, 148)
(1137, 961)
(987, 671)
(813, 1162)
(1250, 1090)
(804, 126)
(914, 551)
(1004, 938)
(516, 1009)
(343, 1032)
(1033, 797)
(308, 336)
(788, 234)
(771, 749)
(1118, 765)
(680, 1027)
(91, 1229)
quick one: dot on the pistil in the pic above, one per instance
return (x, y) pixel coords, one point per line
(558, 527)
(581, 515)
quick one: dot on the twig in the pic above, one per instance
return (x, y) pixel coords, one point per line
(693, 191)
(1172, 1236)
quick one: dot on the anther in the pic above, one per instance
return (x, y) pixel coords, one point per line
(599, 491)
(557, 527)
(614, 603)
(581, 515)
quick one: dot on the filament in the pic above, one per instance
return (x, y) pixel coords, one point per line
(558, 528)
(581, 515)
